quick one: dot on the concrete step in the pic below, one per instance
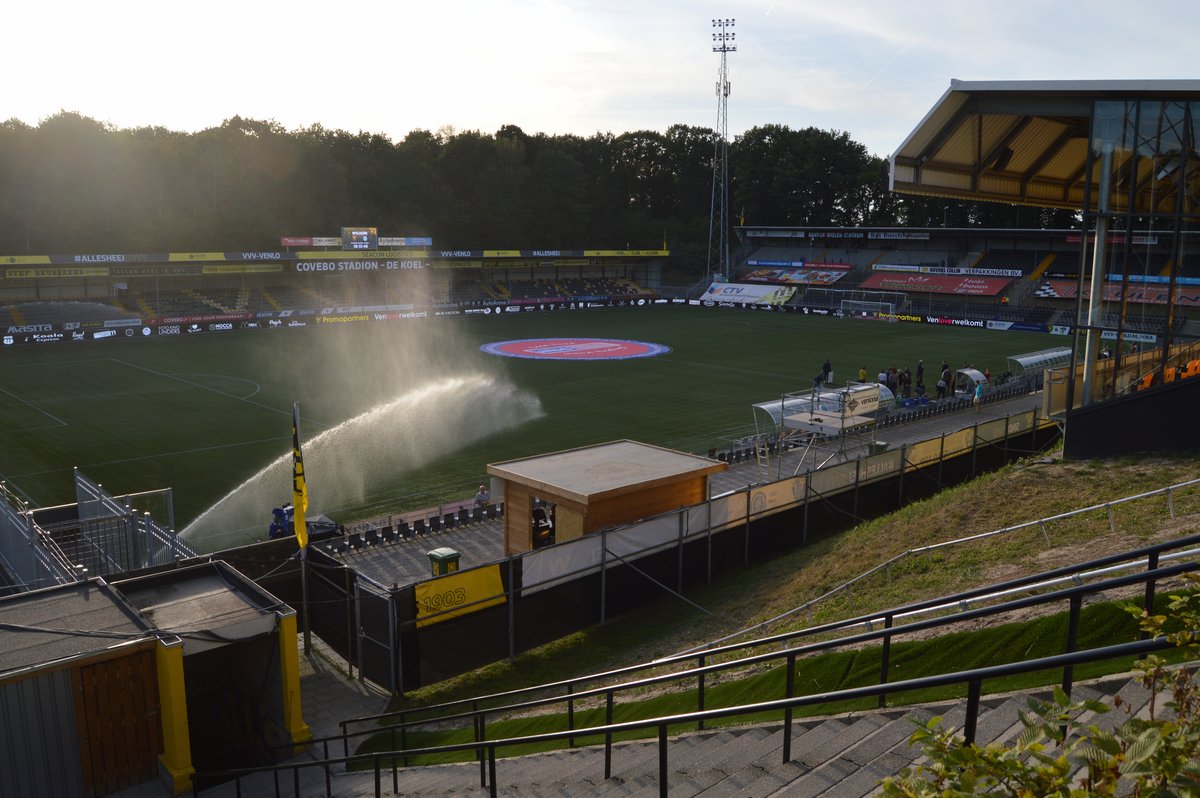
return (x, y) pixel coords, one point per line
(840, 757)
(856, 771)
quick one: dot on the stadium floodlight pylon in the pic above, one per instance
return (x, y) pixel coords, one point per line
(718, 223)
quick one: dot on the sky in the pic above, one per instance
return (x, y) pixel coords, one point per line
(870, 69)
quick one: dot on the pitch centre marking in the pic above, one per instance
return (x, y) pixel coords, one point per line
(574, 349)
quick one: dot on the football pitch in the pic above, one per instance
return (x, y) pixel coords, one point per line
(408, 414)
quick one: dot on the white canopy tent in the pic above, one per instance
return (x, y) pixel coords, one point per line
(1038, 362)
(799, 419)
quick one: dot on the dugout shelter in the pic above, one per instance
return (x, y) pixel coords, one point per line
(1124, 154)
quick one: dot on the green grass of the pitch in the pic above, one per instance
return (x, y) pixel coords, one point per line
(201, 414)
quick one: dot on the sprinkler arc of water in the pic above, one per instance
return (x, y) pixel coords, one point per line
(344, 462)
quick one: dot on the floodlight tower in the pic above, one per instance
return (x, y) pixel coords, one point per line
(718, 220)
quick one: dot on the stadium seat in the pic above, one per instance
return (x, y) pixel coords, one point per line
(403, 530)
(371, 536)
(448, 520)
(354, 540)
(493, 511)
(464, 516)
(477, 514)
(387, 535)
(419, 527)
(435, 523)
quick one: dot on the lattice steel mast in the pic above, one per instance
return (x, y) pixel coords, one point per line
(718, 221)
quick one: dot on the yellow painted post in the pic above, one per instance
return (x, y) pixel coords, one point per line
(289, 675)
(176, 758)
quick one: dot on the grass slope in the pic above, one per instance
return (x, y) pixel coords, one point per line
(1035, 488)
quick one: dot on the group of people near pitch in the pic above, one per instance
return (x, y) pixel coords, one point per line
(907, 382)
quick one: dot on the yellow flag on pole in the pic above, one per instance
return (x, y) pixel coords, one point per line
(299, 488)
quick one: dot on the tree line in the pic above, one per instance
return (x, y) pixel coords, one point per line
(72, 184)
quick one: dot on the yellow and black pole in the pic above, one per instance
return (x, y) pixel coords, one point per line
(299, 507)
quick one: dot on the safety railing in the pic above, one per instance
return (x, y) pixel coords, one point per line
(486, 750)
(879, 627)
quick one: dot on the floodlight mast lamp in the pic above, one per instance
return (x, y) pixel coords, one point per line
(718, 223)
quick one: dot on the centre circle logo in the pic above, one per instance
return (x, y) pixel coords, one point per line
(574, 349)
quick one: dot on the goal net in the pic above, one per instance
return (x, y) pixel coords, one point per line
(854, 303)
(869, 309)
(871, 304)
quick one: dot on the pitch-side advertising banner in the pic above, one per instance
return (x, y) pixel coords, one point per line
(743, 294)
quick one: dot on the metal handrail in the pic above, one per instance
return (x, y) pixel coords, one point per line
(1041, 522)
(977, 594)
(478, 712)
(972, 678)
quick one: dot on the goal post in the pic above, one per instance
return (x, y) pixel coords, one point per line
(865, 308)
(852, 303)
(870, 304)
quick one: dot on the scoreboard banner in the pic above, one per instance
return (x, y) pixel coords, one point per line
(417, 256)
(369, 254)
(331, 266)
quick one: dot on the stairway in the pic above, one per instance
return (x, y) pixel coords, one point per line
(837, 757)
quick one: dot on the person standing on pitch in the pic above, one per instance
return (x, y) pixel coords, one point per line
(826, 372)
